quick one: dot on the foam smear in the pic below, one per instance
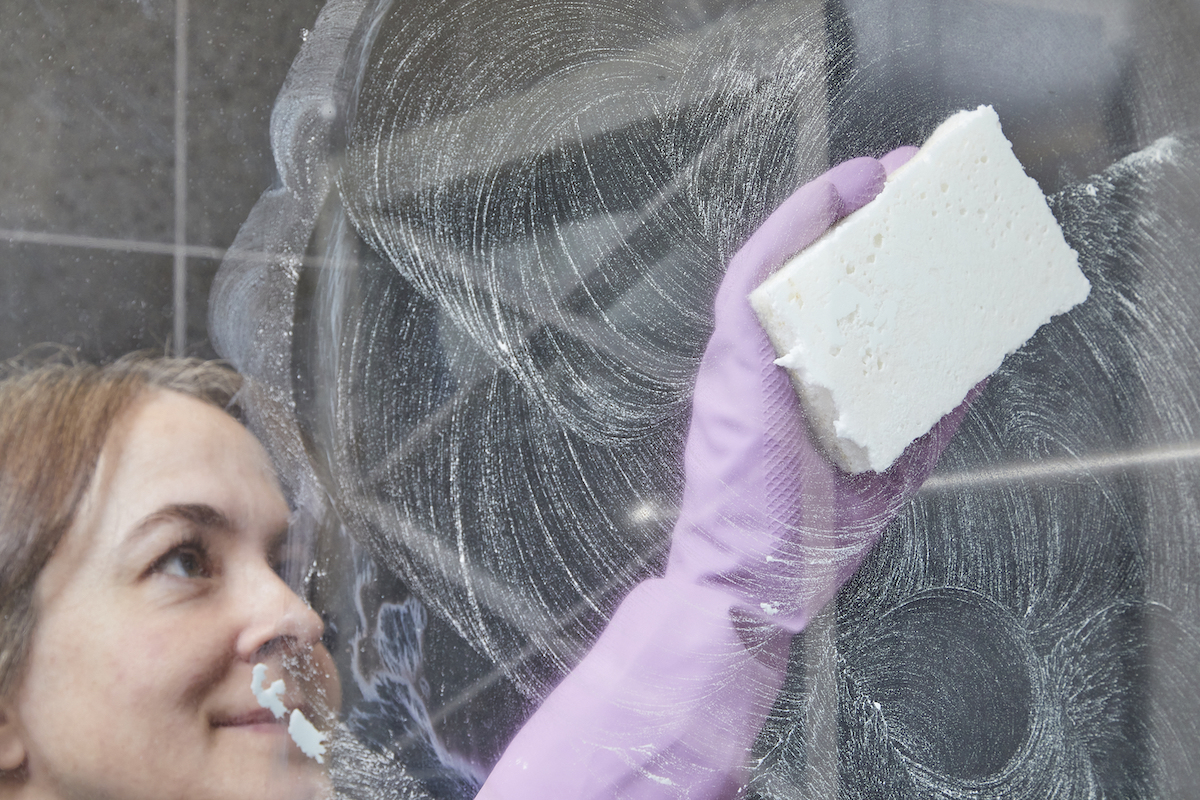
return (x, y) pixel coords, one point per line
(306, 736)
(268, 697)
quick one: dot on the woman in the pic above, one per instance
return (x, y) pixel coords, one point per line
(144, 528)
(143, 534)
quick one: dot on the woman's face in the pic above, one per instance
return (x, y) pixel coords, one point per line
(152, 613)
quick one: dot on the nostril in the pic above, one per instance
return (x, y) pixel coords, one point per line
(283, 646)
(273, 617)
(301, 624)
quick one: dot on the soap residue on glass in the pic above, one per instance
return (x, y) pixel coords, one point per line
(306, 736)
(268, 697)
(518, 248)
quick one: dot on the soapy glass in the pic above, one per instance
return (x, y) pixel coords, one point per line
(154, 610)
(505, 329)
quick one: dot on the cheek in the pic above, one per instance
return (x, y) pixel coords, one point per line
(78, 691)
(174, 665)
(113, 669)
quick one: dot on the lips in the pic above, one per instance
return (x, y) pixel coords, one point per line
(259, 717)
(264, 717)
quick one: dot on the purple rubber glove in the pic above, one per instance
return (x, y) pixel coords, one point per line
(670, 698)
(765, 517)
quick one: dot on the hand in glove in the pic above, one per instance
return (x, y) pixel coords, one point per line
(669, 700)
(765, 517)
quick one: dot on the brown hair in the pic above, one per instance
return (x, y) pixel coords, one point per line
(54, 420)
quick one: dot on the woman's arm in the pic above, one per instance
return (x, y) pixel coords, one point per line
(671, 697)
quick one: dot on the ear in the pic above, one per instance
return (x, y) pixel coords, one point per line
(12, 744)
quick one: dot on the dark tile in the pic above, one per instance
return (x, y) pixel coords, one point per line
(200, 274)
(102, 302)
(87, 117)
(239, 53)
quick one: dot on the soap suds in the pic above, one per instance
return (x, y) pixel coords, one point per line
(268, 697)
(310, 740)
(304, 733)
(1159, 151)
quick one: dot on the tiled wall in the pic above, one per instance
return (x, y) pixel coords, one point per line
(133, 142)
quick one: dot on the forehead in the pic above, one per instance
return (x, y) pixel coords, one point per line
(174, 449)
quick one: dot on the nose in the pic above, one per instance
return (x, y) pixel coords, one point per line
(275, 616)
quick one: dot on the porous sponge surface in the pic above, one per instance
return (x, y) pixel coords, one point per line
(889, 320)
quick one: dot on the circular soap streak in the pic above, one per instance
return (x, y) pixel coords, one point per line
(554, 191)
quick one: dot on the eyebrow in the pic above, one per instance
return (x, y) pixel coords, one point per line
(197, 515)
(201, 517)
(200, 514)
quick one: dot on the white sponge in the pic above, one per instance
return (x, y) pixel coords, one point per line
(887, 321)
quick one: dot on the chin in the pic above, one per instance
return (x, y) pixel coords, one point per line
(315, 785)
(274, 773)
(296, 782)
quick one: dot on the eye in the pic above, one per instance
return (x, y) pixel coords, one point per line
(188, 560)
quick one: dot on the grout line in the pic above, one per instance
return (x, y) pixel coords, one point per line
(179, 251)
(190, 251)
(1064, 468)
(1058, 470)
(101, 243)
